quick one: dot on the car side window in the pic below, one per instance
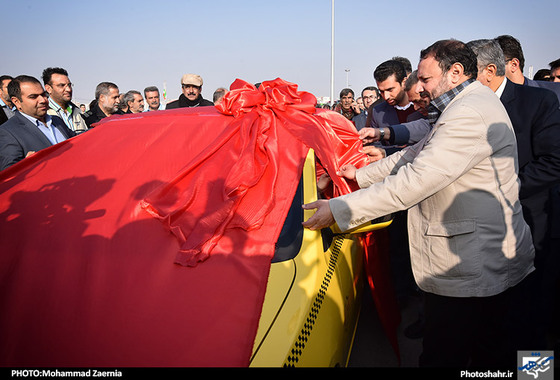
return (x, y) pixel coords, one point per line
(291, 236)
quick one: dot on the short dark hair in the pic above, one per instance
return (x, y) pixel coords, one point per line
(411, 80)
(49, 71)
(219, 93)
(554, 64)
(103, 89)
(405, 62)
(346, 91)
(14, 87)
(371, 88)
(129, 96)
(5, 77)
(388, 68)
(511, 48)
(542, 74)
(150, 89)
(449, 52)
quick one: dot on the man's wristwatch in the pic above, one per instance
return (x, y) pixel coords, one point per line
(381, 133)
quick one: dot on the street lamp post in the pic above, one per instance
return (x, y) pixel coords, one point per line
(332, 52)
(347, 71)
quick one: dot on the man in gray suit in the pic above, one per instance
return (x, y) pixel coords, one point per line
(469, 243)
(30, 129)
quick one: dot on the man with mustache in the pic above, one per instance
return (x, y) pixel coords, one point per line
(134, 100)
(347, 106)
(151, 94)
(191, 86)
(106, 103)
(31, 128)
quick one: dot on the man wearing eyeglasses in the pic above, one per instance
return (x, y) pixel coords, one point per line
(191, 86)
(370, 95)
(30, 129)
(59, 88)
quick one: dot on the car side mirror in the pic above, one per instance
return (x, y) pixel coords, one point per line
(372, 225)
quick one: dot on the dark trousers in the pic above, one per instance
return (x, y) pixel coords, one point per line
(466, 332)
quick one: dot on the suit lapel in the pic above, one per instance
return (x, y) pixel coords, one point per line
(32, 129)
(509, 92)
(60, 125)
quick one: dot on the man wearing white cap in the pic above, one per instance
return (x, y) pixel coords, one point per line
(191, 86)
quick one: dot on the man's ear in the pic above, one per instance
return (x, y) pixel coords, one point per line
(16, 102)
(403, 83)
(514, 65)
(491, 70)
(456, 72)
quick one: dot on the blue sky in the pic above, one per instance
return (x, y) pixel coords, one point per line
(140, 43)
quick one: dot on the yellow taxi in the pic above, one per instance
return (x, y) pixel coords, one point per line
(312, 302)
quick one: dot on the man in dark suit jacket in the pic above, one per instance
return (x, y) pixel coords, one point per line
(6, 105)
(535, 116)
(30, 129)
(396, 109)
(552, 86)
(513, 53)
(371, 98)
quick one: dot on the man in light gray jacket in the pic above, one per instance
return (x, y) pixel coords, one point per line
(469, 243)
(60, 90)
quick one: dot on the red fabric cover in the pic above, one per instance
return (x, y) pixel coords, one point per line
(88, 277)
(244, 197)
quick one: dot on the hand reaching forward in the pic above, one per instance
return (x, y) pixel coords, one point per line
(323, 182)
(369, 135)
(322, 218)
(347, 171)
(374, 153)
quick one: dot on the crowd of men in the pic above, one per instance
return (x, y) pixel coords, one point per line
(465, 153)
(34, 117)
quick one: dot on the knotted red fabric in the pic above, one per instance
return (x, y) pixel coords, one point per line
(250, 155)
(147, 240)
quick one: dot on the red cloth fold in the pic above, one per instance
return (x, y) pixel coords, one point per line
(87, 276)
(248, 152)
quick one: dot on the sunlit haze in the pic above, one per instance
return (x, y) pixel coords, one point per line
(140, 43)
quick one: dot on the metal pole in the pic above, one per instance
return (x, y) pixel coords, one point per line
(332, 52)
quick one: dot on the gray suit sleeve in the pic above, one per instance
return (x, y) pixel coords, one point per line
(10, 149)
